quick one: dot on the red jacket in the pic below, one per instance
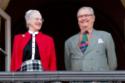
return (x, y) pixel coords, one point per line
(46, 49)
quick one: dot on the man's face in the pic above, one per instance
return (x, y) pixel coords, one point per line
(85, 19)
(35, 22)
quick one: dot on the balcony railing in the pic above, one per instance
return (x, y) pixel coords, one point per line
(62, 76)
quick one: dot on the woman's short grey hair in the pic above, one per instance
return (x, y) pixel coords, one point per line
(29, 13)
(84, 8)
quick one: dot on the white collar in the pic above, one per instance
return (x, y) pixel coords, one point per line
(33, 33)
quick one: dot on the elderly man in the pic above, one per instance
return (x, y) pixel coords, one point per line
(34, 50)
(90, 49)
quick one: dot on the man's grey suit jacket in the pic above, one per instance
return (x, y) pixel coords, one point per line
(99, 56)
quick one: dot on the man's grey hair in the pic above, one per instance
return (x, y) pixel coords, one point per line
(29, 13)
(84, 8)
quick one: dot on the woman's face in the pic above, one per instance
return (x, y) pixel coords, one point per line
(35, 22)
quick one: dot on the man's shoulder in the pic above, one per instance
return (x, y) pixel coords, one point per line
(72, 38)
(101, 32)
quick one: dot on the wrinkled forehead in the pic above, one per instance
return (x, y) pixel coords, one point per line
(84, 11)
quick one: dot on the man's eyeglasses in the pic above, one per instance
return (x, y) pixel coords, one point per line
(85, 15)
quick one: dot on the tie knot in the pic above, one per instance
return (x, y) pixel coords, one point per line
(84, 37)
(86, 32)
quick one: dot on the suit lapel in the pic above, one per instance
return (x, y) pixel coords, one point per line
(76, 47)
(92, 42)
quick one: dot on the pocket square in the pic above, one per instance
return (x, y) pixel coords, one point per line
(100, 41)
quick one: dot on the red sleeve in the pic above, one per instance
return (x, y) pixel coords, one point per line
(14, 53)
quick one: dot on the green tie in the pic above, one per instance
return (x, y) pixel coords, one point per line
(84, 43)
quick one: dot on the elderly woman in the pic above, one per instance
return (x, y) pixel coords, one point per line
(33, 51)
